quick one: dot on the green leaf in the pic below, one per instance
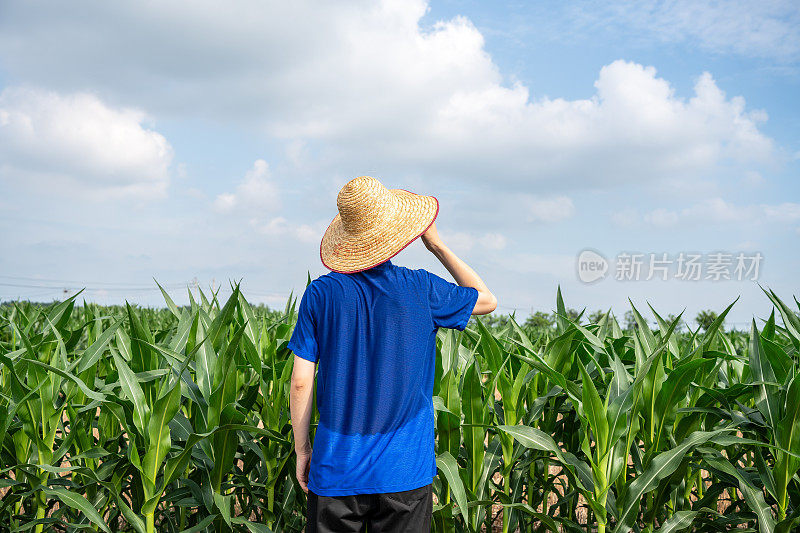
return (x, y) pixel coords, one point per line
(206, 359)
(92, 354)
(673, 391)
(170, 304)
(223, 504)
(449, 423)
(662, 465)
(225, 442)
(474, 413)
(75, 379)
(678, 521)
(158, 434)
(76, 501)
(130, 386)
(714, 327)
(753, 496)
(202, 525)
(561, 313)
(223, 319)
(448, 466)
(644, 333)
(791, 320)
(762, 373)
(787, 435)
(595, 410)
(252, 526)
(617, 413)
(142, 357)
(539, 440)
(554, 376)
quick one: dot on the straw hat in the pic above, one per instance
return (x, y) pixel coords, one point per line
(374, 224)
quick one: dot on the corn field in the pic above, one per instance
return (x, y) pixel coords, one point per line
(177, 420)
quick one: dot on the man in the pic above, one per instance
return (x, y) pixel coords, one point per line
(371, 325)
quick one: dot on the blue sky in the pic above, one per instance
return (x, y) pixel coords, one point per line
(184, 141)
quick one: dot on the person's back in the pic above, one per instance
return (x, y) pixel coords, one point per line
(372, 332)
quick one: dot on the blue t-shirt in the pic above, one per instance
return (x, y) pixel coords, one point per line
(373, 335)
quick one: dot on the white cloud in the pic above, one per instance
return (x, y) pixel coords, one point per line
(753, 178)
(459, 241)
(661, 218)
(281, 227)
(556, 265)
(718, 211)
(769, 28)
(465, 241)
(493, 241)
(785, 212)
(625, 217)
(225, 202)
(338, 81)
(749, 246)
(634, 129)
(255, 193)
(258, 198)
(688, 188)
(77, 143)
(553, 209)
(194, 192)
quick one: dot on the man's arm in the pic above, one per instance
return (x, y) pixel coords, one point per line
(302, 390)
(461, 272)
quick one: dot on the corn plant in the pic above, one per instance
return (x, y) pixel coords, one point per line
(123, 418)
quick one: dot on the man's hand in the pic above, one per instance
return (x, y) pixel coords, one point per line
(461, 272)
(431, 238)
(303, 463)
(302, 390)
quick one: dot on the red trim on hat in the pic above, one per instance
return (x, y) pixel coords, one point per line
(394, 254)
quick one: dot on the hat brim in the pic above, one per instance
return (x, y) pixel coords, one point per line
(344, 252)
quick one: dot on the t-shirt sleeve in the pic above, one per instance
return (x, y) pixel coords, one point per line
(304, 340)
(451, 304)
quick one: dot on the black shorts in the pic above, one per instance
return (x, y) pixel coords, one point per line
(395, 512)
